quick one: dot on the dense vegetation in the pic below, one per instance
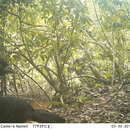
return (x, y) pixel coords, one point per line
(72, 53)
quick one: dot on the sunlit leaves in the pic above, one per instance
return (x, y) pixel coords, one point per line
(55, 34)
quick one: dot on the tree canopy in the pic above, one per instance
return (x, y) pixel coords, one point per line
(71, 50)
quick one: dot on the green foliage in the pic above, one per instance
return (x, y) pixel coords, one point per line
(67, 43)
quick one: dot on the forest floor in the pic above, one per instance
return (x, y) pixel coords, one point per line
(107, 107)
(90, 112)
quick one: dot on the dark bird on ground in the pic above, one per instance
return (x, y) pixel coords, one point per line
(15, 110)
